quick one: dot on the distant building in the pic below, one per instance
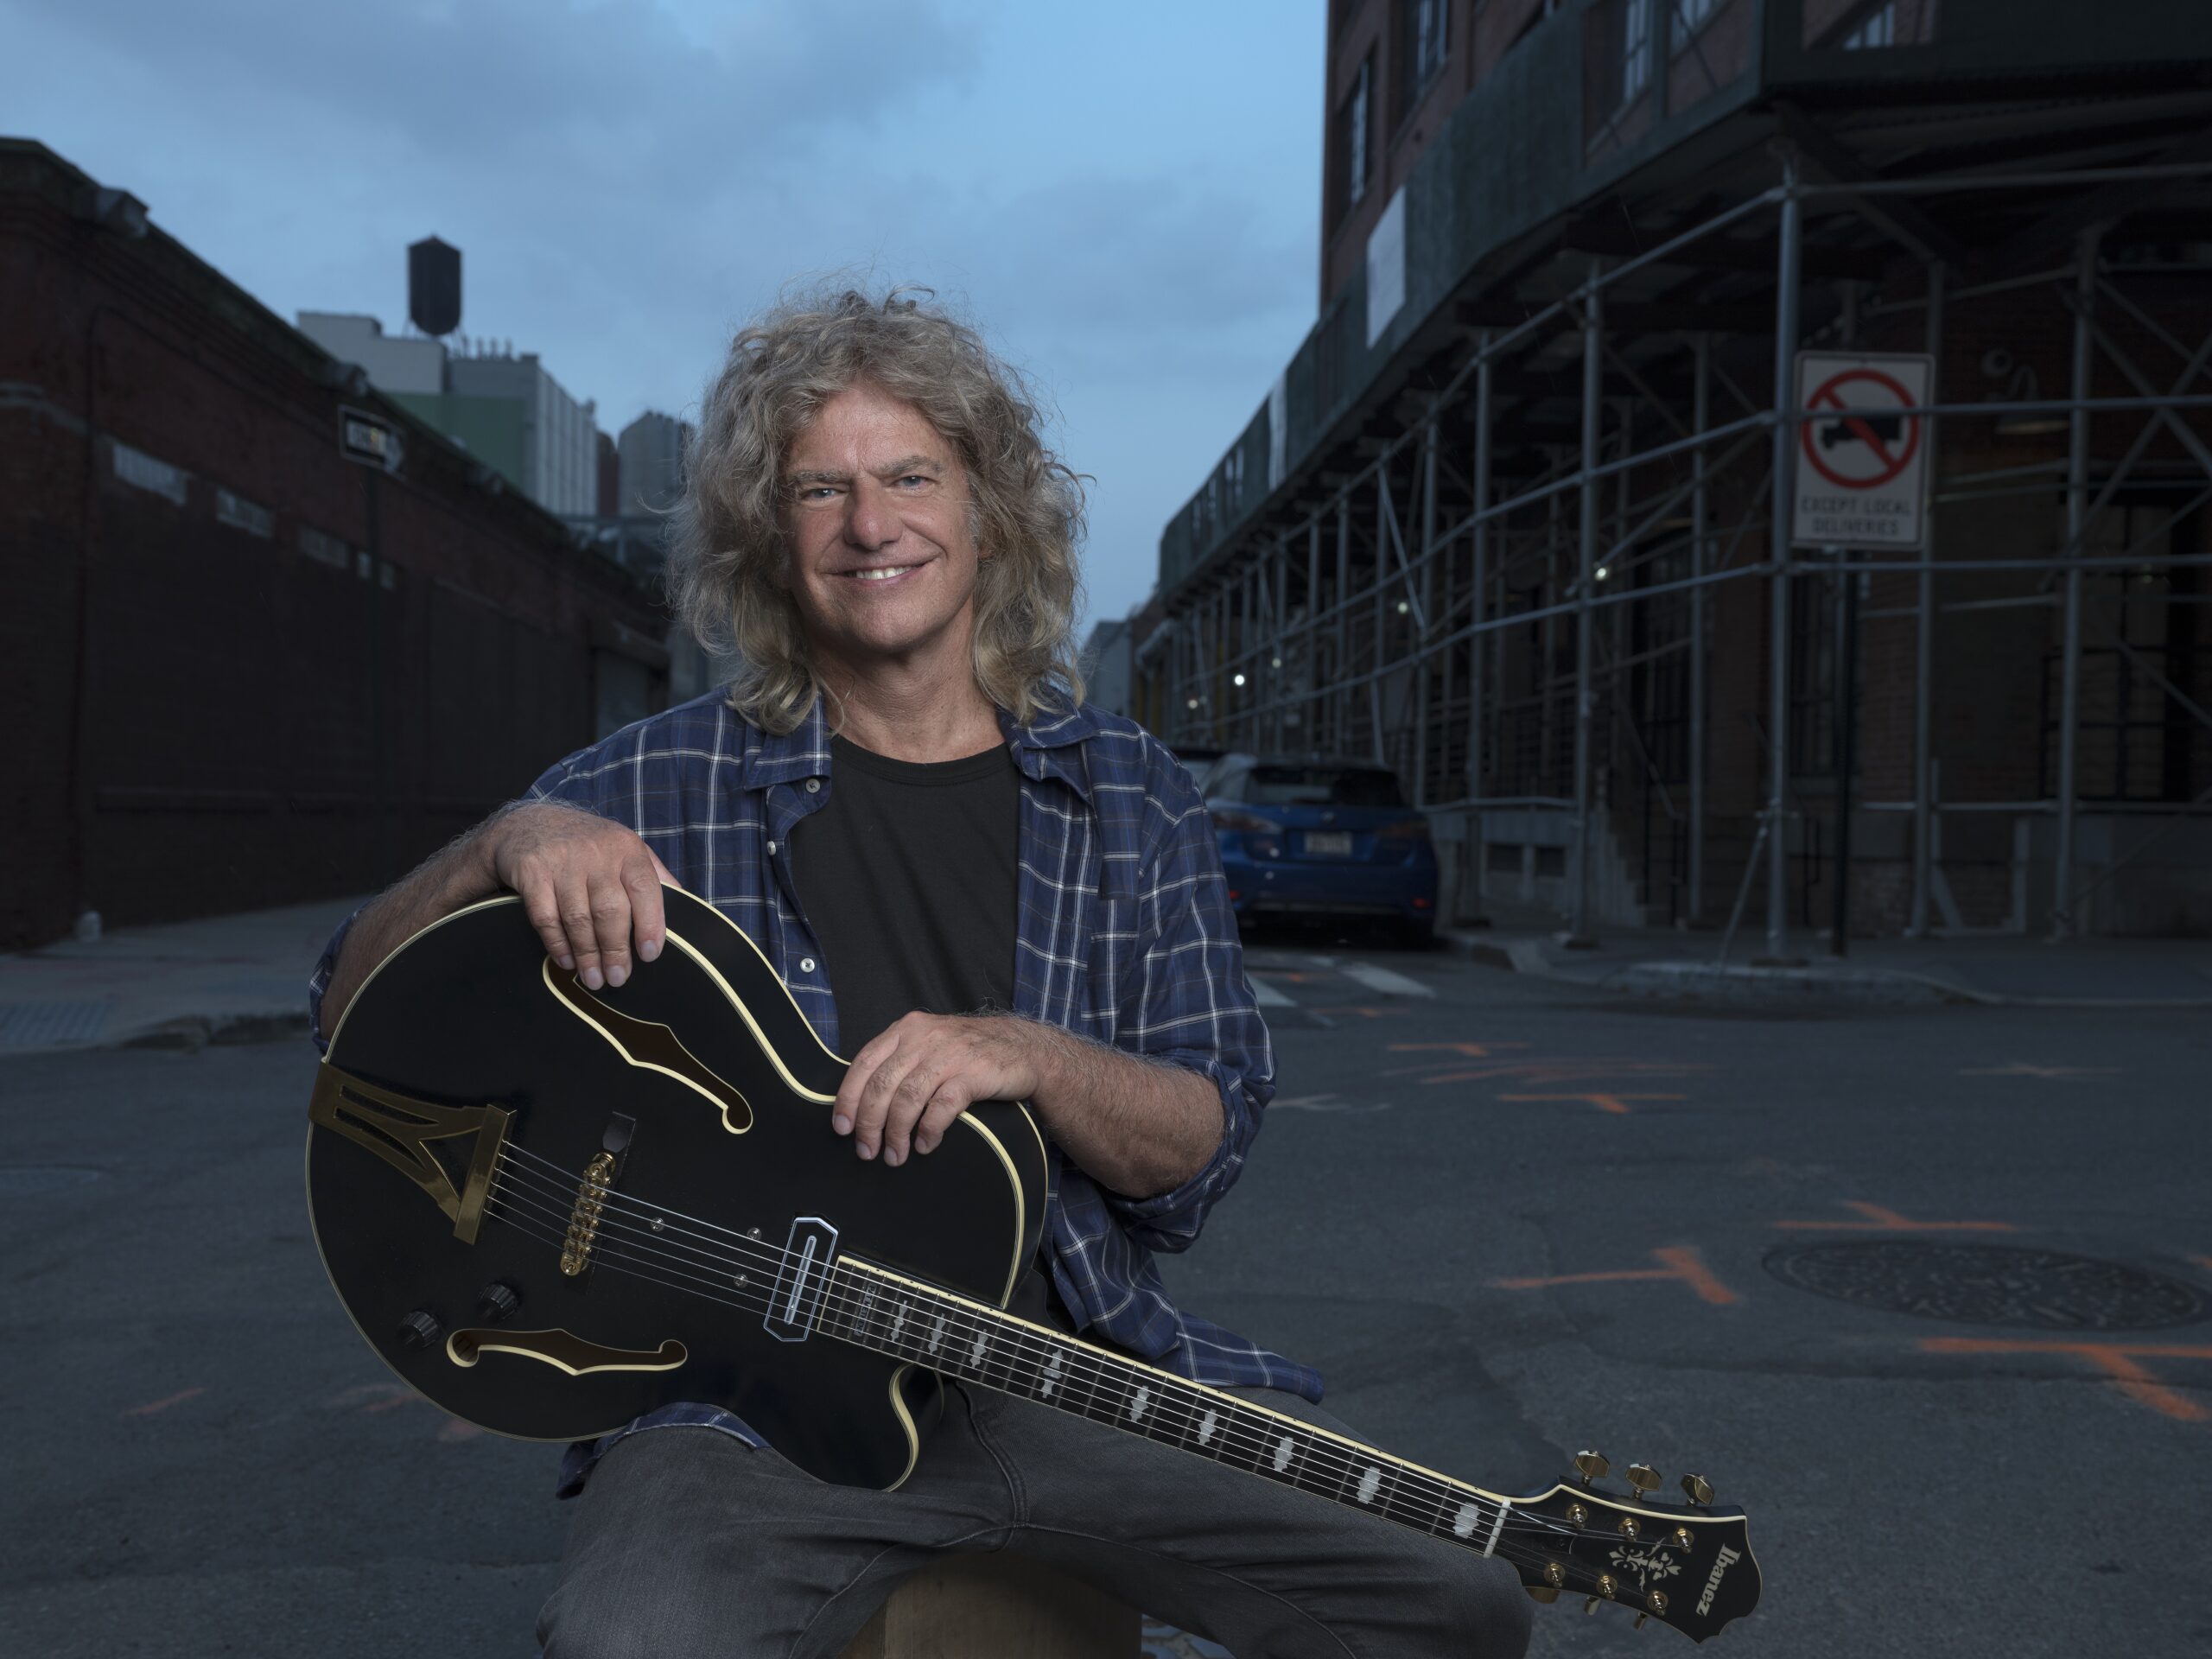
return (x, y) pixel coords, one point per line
(243, 670)
(560, 463)
(609, 483)
(394, 363)
(1108, 666)
(653, 449)
(506, 410)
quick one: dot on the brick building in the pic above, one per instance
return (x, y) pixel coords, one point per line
(1516, 517)
(242, 670)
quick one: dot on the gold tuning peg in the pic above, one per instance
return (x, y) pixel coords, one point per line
(1699, 1488)
(1640, 1619)
(1590, 1605)
(1591, 1466)
(1642, 1477)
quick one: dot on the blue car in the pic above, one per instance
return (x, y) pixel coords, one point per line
(1308, 839)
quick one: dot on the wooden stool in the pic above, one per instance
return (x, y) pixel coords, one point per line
(983, 1606)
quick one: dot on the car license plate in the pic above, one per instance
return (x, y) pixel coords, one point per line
(1329, 843)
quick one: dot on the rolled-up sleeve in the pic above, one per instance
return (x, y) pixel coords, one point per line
(319, 980)
(1189, 1004)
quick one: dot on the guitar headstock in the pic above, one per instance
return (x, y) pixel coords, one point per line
(1688, 1565)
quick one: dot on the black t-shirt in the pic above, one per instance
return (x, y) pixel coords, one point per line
(907, 876)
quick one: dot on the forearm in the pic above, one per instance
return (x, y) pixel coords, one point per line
(457, 875)
(1140, 1127)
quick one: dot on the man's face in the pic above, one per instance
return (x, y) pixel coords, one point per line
(882, 562)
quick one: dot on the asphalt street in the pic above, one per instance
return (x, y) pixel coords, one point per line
(1924, 1290)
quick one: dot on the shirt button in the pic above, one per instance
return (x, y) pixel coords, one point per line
(771, 849)
(814, 785)
(806, 964)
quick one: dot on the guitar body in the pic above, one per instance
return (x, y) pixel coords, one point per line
(471, 1076)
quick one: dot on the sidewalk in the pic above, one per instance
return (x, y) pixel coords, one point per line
(181, 984)
(2006, 972)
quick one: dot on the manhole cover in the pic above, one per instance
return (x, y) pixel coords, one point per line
(1983, 1284)
(21, 1180)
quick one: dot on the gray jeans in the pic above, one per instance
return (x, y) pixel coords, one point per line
(689, 1543)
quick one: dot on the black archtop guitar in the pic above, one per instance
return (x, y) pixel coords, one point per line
(551, 1210)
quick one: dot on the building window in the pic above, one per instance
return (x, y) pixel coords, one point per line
(1635, 50)
(1689, 16)
(1423, 41)
(137, 466)
(1353, 117)
(324, 549)
(248, 516)
(1877, 28)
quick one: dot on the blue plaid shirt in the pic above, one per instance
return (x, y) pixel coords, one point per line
(1124, 935)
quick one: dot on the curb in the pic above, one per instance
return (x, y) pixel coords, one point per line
(192, 1032)
(1692, 981)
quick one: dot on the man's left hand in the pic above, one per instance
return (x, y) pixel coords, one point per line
(906, 1087)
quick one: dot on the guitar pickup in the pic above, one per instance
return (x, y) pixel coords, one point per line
(802, 1280)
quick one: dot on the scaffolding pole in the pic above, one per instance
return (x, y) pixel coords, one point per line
(1785, 444)
(1593, 346)
(1700, 417)
(1924, 642)
(1478, 681)
(2077, 521)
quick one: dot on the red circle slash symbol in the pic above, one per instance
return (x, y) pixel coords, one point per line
(1891, 434)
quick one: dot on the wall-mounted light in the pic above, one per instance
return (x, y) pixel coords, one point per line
(1603, 571)
(1236, 679)
(1403, 608)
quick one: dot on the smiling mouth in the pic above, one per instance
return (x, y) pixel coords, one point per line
(882, 572)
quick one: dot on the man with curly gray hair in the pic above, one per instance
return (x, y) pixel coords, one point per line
(984, 889)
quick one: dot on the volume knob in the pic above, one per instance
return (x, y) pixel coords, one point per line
(497, 1300)
(420, 1329)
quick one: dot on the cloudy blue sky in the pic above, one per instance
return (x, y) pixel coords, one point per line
(1126, 197)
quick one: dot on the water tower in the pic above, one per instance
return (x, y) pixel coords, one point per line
(434, 286)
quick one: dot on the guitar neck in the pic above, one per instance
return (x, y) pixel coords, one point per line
(904, 1319)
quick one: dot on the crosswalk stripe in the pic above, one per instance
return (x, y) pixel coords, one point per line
(1387, 981)
(1268, 997)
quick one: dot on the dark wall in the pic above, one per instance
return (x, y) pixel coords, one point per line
(243, 671)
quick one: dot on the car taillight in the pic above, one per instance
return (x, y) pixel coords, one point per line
(1249, 823)
(1408, 830)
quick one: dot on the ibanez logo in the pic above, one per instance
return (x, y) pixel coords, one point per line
(1728, 1559)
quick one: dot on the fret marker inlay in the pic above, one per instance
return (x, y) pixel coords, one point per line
(1052, 1375)
(897, 1320)
(1206, 1426)
(1463, 1525)
(1137, 1405)
(937, 1333)
(976, 1355)
(1369, 1483)
(1283, 1449)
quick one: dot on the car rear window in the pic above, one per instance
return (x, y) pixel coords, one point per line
(1296, 786)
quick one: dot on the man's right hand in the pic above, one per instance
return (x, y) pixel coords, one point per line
(590, 887)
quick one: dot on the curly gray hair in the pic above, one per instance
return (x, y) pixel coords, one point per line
(730, 538)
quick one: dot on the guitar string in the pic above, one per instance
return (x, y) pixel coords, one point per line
(1418, 1518)
(1259, 1442)
(1254, 1441)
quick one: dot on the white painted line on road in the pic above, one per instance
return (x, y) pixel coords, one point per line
(1266, 996)
(1387, 981)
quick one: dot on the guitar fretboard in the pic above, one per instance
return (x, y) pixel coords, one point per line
(905, 1320)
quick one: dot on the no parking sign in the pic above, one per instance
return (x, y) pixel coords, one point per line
(1862, 449)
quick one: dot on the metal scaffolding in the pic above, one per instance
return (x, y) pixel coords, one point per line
(1530, 581)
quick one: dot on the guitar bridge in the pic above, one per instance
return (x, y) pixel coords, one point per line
(583, 1218)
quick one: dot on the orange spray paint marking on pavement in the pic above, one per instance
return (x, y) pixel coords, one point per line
(153, 1406)
(1879, 1220)
(1564, 1070)
(1466, 1051)
(1677, 1262)
(1613, 1103)
(2203, 1261)
(2120, 1361)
